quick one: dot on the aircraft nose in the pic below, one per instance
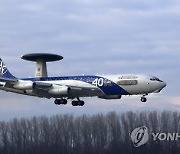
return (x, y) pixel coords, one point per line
(163, 84)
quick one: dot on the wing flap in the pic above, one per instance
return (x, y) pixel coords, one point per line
(81, 91)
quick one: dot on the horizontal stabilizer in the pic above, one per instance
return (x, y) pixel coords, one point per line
(8, 79)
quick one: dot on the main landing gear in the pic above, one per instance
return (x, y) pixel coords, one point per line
(60, 101)
(64, 102)
(77, 103)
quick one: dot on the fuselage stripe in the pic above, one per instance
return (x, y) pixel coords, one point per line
(108, 86)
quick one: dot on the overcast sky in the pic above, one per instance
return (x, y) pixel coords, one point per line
(94, 37)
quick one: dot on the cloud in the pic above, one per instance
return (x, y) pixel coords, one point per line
(176, 101)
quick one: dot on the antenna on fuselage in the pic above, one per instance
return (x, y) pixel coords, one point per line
(41, 59)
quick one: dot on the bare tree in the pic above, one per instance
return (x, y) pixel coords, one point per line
(95, 134)
(4, 139)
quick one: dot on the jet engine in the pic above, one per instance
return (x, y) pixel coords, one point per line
(24, 85)
(59, 90)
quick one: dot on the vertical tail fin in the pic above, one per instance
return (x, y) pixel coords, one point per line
(4, 73)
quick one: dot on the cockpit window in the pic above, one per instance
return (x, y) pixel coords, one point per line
(155, 79)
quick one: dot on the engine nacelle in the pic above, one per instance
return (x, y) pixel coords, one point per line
(110, 97)
(2, 84)
(24, 85)
(59, 90)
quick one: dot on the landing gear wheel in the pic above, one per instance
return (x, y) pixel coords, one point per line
(74, 103)
(64, 101)
(60, 101)
(143, 99)
(81, 103)
(56, 101)
(77, 103)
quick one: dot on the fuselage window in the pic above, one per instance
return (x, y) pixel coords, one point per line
(127, 82)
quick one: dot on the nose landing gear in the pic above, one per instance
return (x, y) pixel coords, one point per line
(143, 98)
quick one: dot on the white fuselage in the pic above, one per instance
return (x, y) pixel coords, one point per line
(105, 86)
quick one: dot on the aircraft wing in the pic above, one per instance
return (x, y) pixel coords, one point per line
(82, 91)
(48, 90)
(23, 84)
(56, 90)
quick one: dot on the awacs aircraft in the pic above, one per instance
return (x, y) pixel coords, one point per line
(75, 87)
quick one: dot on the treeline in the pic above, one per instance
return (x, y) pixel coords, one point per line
(97, 134)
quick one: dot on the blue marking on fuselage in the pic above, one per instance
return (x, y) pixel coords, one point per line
(108, 87)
